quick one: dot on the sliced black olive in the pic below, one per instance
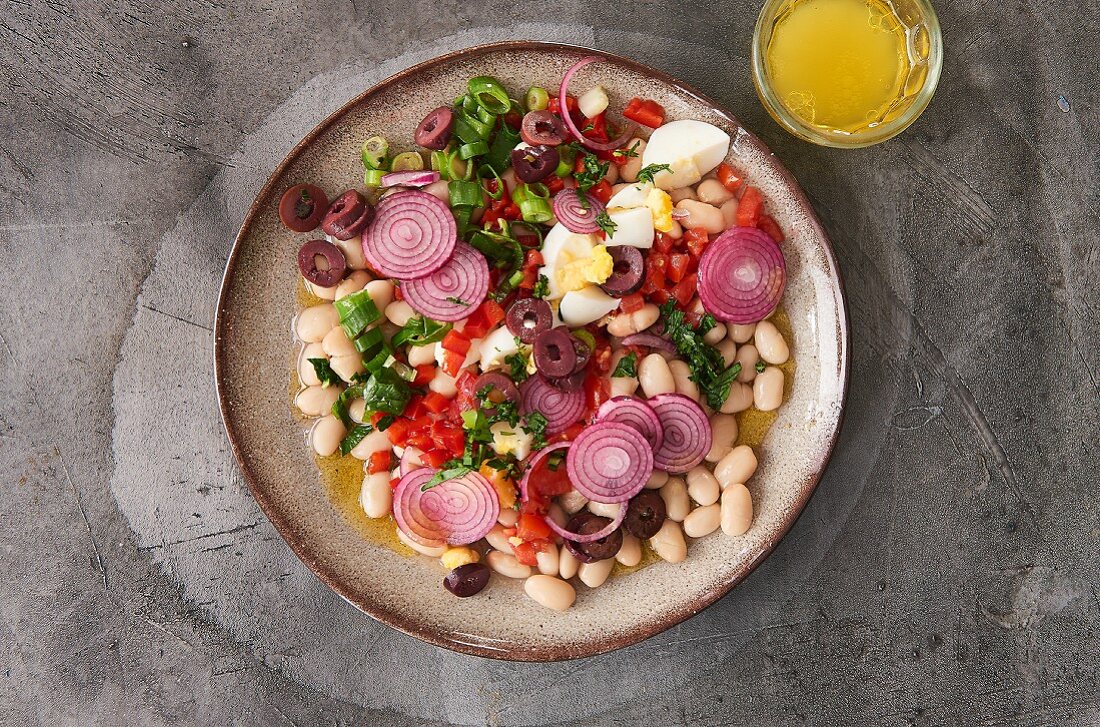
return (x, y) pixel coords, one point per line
(645, 514)
(542, 127)
(435, 130)
(627, 273)
(535, 163)
(322, 263)
(467, 580)
(572, 382)
(555, 354)
(585, 523)
(348, 215)
(584, 352)
(528, 317)
(302, 207)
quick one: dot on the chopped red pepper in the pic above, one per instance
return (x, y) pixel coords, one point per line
(595, 128)
(398, 432)
(645, 111)
(424, 374)
(380, 462)
(435, 457)
(435, 402)
(750, 207)
(526, 554)
(768, 224)
(697, 240)
(452, 362)
(631, 303)
(414, 408)
(663, 242)
(728, 178)
(597, 390)
(568, 435)
(456, 341)
(602, 191)
(532, 527)
(678, 264)
(684, 291)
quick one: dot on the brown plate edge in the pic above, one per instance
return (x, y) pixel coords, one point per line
(409, 626)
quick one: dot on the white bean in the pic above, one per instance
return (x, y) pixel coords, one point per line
(421, 355)
(742, 334)
(771, 344)
(432, 551)
(440, 190)
(612, 175)
(498, 539)
(682, 193)
(313, 401)
(737, 466)
(353, 252)
(655, 376)
(729, 212)
(625, 324)
(547, 560)
(551, 592)
(381, 292)
(443, 384)
(399, 312)
(728, 349)
(595, 574)
(623, 385)
(326, 435)
(676, 231)
(703, 521)
(703, 486)
(739, 399)
(701, 214)
(603, 509)
(507, 565)
(675, 495)
(346, 367)
(715, 334)
(656, 480)
(629, 171)
(736, 510)
(723, 433)
(555, 513)
(353, 283)
(767, 390)
(681, 375)
(337, 343)
(508, 517)
(593, 101)
(567, 564)
(630, 554)
(376, 495)
(669, 543)
(374, 442)
(712, 192)
(357, 410)
(306, 373)
(572, 502)
(747, 356)
(322, 293)
(315, 322)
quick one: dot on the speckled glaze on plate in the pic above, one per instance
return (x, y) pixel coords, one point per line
(253, 351)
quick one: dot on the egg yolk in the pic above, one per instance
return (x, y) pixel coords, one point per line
(581, 272)
(660, 204)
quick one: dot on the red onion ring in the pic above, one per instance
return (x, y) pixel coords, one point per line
(561, 408)
(410, 460)
(409, 179)
(413, 234)
(609, 462)
(567, 118)
(650, 340)
(601, 533)
(535, 460)
(458, 511)
(687, 432)
(573, 215)
(455, 290)
(636, 413)
(742, 275)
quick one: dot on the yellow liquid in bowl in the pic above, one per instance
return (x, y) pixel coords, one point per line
(840, 64)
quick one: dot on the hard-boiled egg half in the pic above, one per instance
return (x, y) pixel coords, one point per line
(574, 265)
(690, 148)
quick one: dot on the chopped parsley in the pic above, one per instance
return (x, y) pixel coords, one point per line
(542, 287)
(517, 367)
(708, 368)
(648, 172)
(760, 367)
(456, 301)
(605, 223)
(354, 437)
(627, 153)
(590, 175)
(324, 372)
(535, 424)
(628, 366)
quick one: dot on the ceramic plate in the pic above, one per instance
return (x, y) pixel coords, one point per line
(255, 351)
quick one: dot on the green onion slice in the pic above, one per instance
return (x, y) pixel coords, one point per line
(490, 94)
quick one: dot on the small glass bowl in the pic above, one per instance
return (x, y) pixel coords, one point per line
(926, 52)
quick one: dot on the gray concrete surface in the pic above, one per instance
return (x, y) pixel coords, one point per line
(945, 572)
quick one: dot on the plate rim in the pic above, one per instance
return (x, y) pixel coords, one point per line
(410, 626)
